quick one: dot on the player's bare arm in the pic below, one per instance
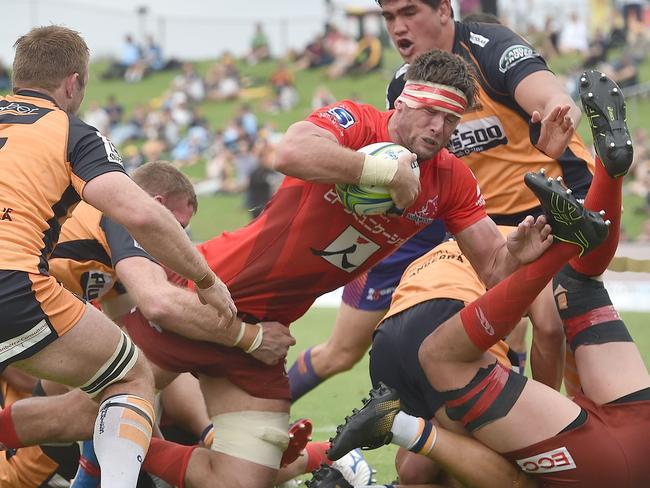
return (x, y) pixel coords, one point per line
(544, 98)
(156, 229)
(311, 153)
(494, 257)
(178, 310)
(548, 343)
(173, 308)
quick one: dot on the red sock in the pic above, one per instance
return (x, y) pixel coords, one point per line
(606, 194)
(316, 455)
(168, 461)
(8, 436)
(492, 316)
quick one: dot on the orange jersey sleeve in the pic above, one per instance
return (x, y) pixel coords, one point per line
(46, 157)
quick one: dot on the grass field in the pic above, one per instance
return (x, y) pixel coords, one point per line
(331, 401)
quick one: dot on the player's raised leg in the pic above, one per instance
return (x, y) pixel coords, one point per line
(608, 362)
(454, 358)
(604, 105)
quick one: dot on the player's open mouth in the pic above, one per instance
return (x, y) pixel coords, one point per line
(405, 47)
(430, 142)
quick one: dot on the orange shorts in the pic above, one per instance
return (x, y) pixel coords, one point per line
(34, 310)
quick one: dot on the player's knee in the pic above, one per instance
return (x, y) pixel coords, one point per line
(258, 437)
(125, 365)
(496, 388)
(586, 310)
(414, 469)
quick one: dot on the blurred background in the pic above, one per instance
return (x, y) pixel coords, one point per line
(211, 86)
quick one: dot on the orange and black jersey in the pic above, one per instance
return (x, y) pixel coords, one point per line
(89, 247)
(493, 137)
(46, 158)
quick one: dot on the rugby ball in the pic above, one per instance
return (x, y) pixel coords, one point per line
(367, 199)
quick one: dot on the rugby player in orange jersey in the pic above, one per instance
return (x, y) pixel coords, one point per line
(51, 160)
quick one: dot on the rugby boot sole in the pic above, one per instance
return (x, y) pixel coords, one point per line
(604, 105)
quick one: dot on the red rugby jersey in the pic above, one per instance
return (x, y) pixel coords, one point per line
(305, 243)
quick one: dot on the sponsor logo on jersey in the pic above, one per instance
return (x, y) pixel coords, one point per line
(18, 109)
(548, 462)
(515, 54)
(477, 136)
(349, 250)
(478, 39)
(95, 284)
(342, 116)
(426, 214)
(112, 154)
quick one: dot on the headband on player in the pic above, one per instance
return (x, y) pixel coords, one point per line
(419, 94)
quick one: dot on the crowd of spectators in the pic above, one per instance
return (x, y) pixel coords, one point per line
(341, 53)
(136, 61)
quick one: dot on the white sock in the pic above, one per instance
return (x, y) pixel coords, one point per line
(406, 430)
(122, 436)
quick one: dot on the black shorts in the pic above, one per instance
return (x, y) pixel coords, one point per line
(394, 354)
(34, 310)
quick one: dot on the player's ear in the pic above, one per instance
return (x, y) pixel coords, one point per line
(446, 11)
(160, 199)
(70, 83)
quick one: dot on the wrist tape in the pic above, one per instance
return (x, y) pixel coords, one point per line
(377, 171)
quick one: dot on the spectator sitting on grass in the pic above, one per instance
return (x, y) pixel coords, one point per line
(260, 50)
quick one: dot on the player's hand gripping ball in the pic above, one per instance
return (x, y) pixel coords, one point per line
(372, 200)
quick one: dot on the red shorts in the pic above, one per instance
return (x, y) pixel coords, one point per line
(173, 352)
(609, 450)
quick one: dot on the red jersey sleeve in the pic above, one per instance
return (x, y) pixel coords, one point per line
(466, 202)
(351, 123)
